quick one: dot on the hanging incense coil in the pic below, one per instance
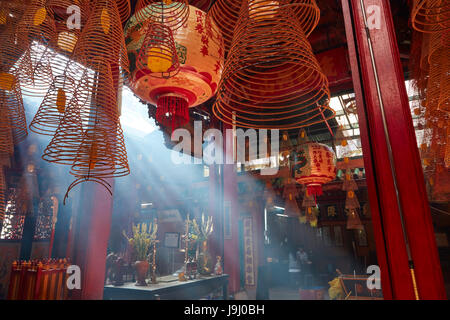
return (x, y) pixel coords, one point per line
(171, 13)
(438, 87)
(2, 194)
(6, 138)
(15, 59)
(308, 200)
(68, 137)
(102, 39)
(349, 183)
(271, 78)
(89, 137)
(37, 29)
(290, 194)
(68, 29)
(225, 14)
(158, 54)
(12, 104)
(431, 15)
(102, 155)
(124, 8)
(353, 221)
(53, 107)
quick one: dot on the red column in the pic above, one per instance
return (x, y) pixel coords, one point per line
(231, 245)
(407, 171)
(91, 239)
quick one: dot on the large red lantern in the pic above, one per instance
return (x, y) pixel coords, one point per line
(314, 165)
(199, 66)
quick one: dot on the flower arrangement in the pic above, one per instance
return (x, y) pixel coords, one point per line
(143, 238)
(203, 231)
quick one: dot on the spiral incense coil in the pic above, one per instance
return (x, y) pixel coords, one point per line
(6, 138)
(102, 38)
(431, 16)
(438, 87)
(11, 102)
(158, 55)
(94, 98)
(2, 194)
(172, 13)
(14, 55)
(36, 29)
(53, 107)
(37, 23)
(102, 155)
(67, 32)
(124, 8)
(89, 137)
(271, 78)
(68, 137)
(225, 14)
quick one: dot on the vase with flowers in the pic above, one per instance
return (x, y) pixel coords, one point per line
(203, 231)
(144, 237)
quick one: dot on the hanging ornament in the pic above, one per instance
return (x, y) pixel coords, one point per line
(430, 15)
(349, 183)
(285, 149)
(102, 39)
(314, 164)
(225, 14)
(200, 65)
(37, 30)
(271, 78)
(124, 8)
(15, 59)
(53, 107)
(172, 111)
(290, 194)
(12, 105)
(68, 31)
(171, 13)
(353, 220)
(6, 138)
(158, 55)
(89, 137)
(308, 204)
(2, 194)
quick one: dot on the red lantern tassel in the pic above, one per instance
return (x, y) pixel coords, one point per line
(172, 110)
(314, 190)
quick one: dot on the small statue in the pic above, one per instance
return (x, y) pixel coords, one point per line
(218, 268)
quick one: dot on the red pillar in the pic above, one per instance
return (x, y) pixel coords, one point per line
(390, 237)
(91, 239)
(231, 245)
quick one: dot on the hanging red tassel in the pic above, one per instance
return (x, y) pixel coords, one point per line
(314, 190)
(172, 110)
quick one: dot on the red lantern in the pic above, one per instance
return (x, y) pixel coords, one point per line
(198, 67)
(314, 165)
